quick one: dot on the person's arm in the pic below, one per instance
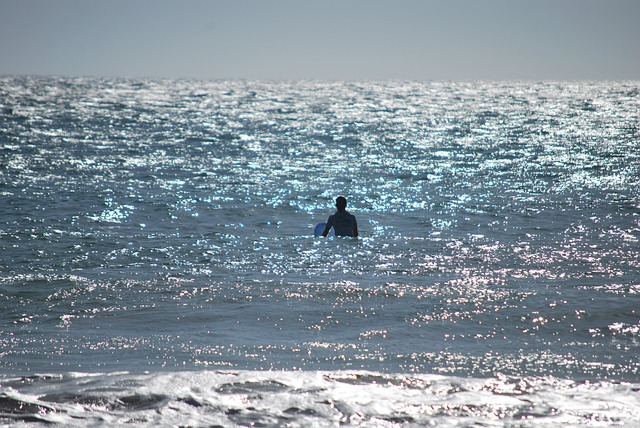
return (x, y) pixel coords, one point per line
(327, 228)
(355, 228)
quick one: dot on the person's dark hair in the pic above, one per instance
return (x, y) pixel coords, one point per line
(341, 203)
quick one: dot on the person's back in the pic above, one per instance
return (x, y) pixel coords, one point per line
(343, 222)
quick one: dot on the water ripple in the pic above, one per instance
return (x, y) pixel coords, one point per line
(499, 222)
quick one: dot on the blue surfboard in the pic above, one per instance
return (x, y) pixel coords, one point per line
(320, 228)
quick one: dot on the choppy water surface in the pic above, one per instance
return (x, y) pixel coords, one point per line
(164, 226)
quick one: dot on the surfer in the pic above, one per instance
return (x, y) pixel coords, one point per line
(343, 222)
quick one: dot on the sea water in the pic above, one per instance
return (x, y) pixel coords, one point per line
(158, 264)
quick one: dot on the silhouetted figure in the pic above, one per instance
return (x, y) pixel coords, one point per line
(343, 222)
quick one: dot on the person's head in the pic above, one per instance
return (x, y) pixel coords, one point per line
(341, 203)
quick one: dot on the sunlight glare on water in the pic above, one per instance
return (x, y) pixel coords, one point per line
(168, 224)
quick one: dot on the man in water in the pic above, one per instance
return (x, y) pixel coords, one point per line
(343, 222)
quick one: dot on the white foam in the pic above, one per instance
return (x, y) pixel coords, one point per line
(314, 398)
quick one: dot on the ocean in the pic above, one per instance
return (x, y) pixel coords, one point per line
(158, 265)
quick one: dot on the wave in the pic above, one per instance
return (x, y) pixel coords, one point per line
(313, 398)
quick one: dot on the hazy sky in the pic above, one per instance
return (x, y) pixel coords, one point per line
(323, 39)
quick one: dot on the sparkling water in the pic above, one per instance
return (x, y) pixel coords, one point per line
(158, 264)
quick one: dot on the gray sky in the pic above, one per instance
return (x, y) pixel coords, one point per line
(323, 39)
